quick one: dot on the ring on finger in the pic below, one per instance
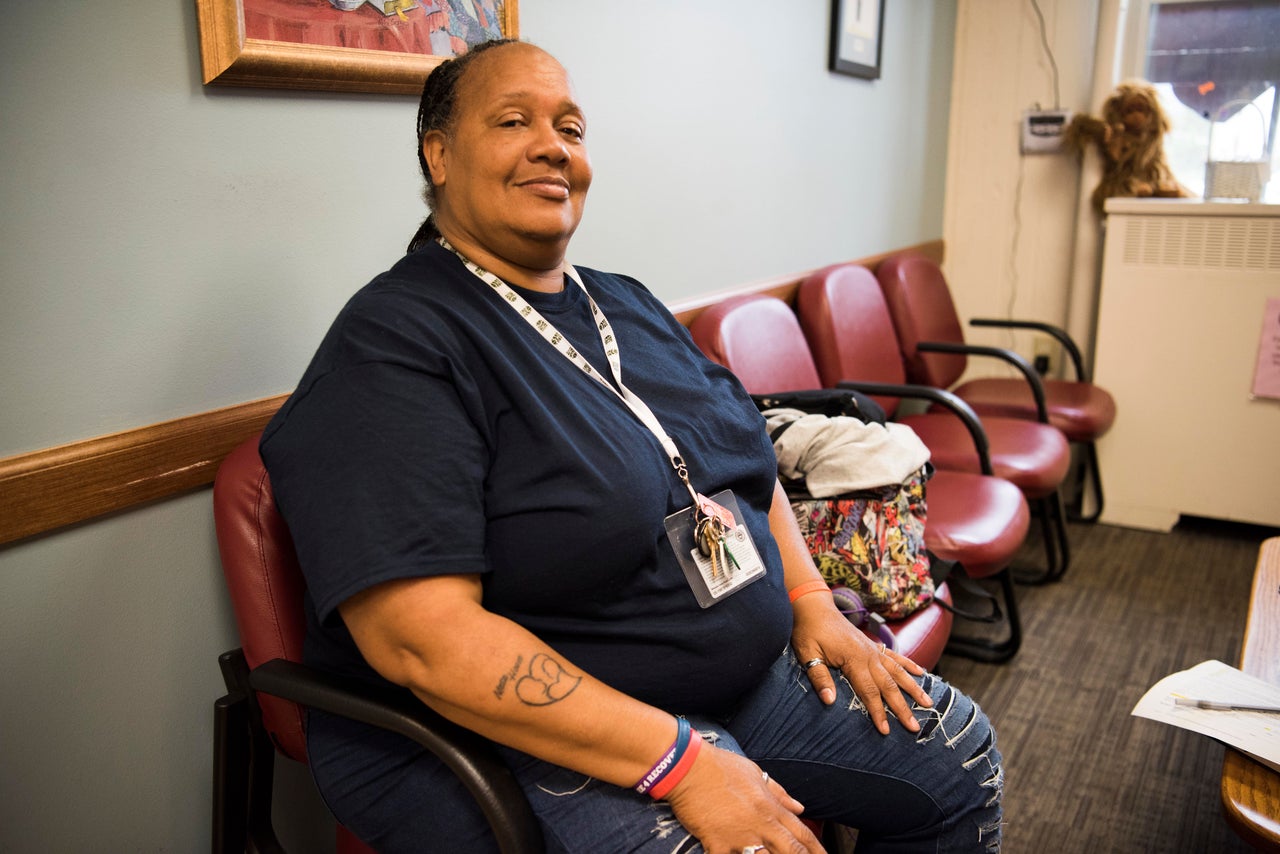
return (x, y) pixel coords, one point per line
(752, 849)
(812, 663)
(883, 648)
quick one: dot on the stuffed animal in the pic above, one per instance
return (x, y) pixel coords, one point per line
(1130, 138)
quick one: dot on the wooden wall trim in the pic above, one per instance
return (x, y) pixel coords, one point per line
(55, 487)
(49, 489)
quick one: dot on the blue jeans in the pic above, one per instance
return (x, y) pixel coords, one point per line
(937, 790)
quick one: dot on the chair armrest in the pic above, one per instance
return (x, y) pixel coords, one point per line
(1028, 372)
(466, 754)
(940, 396)
(1056, 332)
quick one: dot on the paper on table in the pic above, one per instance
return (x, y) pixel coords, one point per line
(1255, 733)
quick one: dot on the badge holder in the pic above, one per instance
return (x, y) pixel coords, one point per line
(723, 566)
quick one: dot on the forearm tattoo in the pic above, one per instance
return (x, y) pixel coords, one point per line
(543, 682)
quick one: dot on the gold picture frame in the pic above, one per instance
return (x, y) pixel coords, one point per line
(230, 58)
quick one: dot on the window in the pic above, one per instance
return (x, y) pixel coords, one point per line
(1216, 66)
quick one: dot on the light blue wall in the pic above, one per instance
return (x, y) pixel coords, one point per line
(169, 249)
(725, 152)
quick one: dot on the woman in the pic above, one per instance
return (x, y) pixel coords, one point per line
(490, 470)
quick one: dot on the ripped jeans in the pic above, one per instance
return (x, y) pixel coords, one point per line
(937, 790)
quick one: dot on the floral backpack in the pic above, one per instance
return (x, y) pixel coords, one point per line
(872, 542)
(867, 540)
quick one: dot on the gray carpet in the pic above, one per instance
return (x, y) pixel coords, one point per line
(1082, 774)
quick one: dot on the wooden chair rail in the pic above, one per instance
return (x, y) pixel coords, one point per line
(55, 487)
(49, 489)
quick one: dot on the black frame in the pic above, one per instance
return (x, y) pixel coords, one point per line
(842, 10)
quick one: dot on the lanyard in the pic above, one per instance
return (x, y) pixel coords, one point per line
(553, 336)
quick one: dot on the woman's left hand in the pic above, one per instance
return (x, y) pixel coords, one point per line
(880, 677)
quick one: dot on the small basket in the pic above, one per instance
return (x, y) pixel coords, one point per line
(1236, 179)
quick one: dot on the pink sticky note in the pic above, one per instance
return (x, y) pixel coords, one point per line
(1266, 377)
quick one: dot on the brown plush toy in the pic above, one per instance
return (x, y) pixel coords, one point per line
(1130, 138)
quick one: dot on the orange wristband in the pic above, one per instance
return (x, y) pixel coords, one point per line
(808, 587)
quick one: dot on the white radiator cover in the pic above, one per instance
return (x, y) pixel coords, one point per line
(1202, 243)
(1184, 287)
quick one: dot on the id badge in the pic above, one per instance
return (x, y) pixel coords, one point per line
(730, 568)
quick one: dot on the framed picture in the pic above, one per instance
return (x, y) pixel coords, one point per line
(385, 46)
(857, 27)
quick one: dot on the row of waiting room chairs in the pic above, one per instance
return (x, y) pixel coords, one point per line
(935, 351)
(855, 329)
(976, 518)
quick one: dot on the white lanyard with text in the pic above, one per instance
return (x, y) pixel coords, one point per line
(553, 336)
(711, 543)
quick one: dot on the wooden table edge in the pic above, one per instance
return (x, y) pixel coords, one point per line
(1251, 790)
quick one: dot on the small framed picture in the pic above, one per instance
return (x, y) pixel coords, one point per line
(856, 30)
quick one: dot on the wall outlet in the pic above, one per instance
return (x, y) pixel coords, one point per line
(1042, 361)
(1042, 131)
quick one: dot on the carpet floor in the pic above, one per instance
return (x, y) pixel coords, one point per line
(1082, 774)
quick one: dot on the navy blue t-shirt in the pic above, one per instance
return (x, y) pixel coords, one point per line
(436, 432)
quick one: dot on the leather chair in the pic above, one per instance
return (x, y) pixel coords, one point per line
(936, 354)
(845, 319)
(975, 520)
(267, 686)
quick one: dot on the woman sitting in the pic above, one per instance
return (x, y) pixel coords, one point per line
(518, 490)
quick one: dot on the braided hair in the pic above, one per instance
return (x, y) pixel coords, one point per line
(436, 111)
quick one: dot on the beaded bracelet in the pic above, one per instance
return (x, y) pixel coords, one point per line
(808, 587)
(673, 765)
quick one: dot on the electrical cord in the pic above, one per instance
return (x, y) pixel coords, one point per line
(1044, 40)
(1013, 248)
(1017, 194)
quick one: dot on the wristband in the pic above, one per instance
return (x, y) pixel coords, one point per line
(664, 766)
(669, 780)
(808, 587)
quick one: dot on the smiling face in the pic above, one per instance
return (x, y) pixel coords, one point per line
(512, 171)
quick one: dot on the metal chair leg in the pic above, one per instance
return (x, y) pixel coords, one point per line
(1088, 480)
(1057, 548)
(230, 773)
(250, 793)
(1059, 511)
(994, 651)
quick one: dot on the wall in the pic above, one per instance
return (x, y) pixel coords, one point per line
(171, 248)
(1010, 225)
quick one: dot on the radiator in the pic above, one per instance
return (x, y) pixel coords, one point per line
(1180, 313)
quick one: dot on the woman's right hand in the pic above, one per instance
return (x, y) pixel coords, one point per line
(728, 804)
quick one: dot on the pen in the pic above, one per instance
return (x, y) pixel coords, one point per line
(1222, 707)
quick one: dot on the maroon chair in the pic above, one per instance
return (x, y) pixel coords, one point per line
(267, 685)
(936, 354)
(845, 319)
(975, 520)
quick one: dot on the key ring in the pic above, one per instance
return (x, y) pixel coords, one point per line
(707, 531)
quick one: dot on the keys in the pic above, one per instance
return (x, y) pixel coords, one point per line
(710, 534)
